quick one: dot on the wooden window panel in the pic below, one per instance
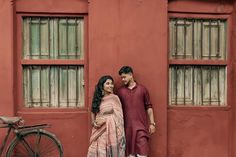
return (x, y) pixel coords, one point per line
(197, 39)
(49, 79)
(197, 85)
(53, 38)
(53, 86)
(198, 61)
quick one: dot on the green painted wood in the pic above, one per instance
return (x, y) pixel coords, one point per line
(197, 39)
(206, 87)
(39, 89)
(53, 38)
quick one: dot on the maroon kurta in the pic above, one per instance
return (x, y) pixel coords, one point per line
(135, 102)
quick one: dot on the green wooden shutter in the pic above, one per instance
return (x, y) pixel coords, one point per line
(53, 38)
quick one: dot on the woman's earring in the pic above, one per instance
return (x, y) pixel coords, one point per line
(103, 93)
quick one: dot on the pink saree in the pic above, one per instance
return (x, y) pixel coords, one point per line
(109, 139)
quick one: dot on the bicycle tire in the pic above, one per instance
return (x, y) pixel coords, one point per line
(36, 143)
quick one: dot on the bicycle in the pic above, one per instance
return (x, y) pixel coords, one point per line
(29, 141)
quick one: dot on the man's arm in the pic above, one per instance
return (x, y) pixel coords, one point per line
(152, 126)
(148, 106)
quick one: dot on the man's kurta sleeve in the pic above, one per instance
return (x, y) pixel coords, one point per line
(147, 101)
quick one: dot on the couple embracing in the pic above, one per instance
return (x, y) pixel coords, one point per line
(120, 124)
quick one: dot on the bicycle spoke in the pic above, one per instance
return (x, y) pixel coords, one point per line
(27, 146)
(35, 144)
(47, 147)
(22, 150)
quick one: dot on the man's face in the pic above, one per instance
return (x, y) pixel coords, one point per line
(126, 78)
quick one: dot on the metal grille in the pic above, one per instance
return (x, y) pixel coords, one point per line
(197, 85)
(53, 86)
(53, 38)
(197, 39)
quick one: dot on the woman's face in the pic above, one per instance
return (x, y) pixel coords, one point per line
(108, 86)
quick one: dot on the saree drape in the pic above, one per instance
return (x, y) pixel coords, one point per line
(109, 139)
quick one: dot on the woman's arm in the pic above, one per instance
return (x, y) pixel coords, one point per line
(93, 123)
(108, 111)
(97, 122)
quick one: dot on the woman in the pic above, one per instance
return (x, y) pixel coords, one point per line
(108, 137)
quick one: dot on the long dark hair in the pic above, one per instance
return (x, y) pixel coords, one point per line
(98, 93)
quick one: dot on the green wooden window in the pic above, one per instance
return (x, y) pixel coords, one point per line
(47, 40)
(197, 39)
(197, 85)
(198, 62)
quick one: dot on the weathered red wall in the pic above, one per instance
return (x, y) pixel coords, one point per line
(125, 32)
(205, 132)
(234, 85)
(194, 133)
(70, 126)
(52, 6)
(132, 32)
(6, 60)
(196, 6)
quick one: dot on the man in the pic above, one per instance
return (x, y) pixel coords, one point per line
(136, 106)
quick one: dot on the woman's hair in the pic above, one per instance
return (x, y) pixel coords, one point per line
(98, 93)
(125, 70)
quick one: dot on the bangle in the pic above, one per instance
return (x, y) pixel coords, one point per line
(154, 124)
(95, 124)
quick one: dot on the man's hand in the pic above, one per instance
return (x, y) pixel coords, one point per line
(152, 129)
(152, 126)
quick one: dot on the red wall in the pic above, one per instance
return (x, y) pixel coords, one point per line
(6, 60)
(132, 33)
(234, 85)
(205, 132)
(120, 33)
(71, 126)
(125, 32)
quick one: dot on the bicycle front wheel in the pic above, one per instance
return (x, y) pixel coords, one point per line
(35, 144)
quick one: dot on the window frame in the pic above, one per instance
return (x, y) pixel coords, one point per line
(192, 62)
(20, 62)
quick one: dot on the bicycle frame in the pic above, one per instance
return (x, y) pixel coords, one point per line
(18, 131)
(5, 138)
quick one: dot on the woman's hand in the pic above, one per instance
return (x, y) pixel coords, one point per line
(99, 122)
(108, 111)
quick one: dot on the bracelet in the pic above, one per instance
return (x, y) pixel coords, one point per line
(154, 124)
(95, 124)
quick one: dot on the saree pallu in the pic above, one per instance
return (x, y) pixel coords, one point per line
(109, 139)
